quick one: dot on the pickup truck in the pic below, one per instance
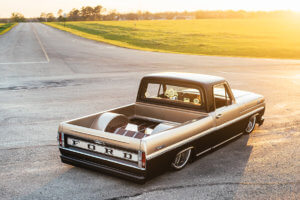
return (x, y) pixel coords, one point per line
(176, 116)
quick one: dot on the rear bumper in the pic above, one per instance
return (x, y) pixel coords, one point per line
(96, 163)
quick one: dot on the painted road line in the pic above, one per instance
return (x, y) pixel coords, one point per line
(24, 63)
(42, 46)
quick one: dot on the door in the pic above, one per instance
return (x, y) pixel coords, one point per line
(226, 111)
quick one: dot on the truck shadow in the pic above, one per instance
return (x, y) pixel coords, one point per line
(218, 168)
(219, 161)
(222, 167)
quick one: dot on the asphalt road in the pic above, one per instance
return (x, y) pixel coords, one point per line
(48, 76)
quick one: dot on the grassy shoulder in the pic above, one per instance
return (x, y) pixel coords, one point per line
(6, 27)
(265, 38)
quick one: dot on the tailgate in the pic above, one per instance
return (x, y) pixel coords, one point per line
(103, 145)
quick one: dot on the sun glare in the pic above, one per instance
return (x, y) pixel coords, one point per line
(32, 8)
(191, 5)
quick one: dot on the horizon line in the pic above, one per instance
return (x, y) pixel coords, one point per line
(155, 12)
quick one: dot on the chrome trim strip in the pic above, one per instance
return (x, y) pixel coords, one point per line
(203, 152)
(227, 140)
(178, 144)
(98, 157)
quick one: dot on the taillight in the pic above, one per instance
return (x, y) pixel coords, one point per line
(60, 139)
(142, 159)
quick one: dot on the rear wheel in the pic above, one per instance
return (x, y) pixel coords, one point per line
(181, 159)
(250, 125)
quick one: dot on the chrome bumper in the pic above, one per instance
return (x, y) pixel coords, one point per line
(80, 159)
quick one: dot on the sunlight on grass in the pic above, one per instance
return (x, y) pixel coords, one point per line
(5, 27)
(268, 38)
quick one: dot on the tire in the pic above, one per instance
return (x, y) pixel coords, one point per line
(181, 159)
(250, 125)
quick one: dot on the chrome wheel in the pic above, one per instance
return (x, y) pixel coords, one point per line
(251, 124)
(181, 159)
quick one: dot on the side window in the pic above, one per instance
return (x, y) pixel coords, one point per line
(221, 96)
(153, 90)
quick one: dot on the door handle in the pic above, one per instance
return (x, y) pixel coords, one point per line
(218, 115)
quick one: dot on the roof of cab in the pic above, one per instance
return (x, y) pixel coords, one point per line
(194, 78)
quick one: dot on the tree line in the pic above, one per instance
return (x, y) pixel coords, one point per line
(87, 13)
(98, 13)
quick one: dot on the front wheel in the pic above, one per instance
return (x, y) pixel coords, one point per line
(181, 159)
(250, 125)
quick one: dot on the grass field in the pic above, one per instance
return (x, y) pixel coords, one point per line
(267, 38)
(4, 27)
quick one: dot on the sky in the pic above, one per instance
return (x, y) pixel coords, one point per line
(33, 8)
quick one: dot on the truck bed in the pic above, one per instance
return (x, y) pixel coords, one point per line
(143, 118)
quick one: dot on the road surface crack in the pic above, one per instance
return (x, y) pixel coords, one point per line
(197, 185)
(27, 147)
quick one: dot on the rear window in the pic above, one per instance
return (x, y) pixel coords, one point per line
(173, 95)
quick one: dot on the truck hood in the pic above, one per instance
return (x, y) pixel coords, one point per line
(241, 93)
(247, 98)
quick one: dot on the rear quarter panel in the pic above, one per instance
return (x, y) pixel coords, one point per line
(171, 139)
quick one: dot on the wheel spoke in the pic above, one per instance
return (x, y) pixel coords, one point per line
(181, 159)
(177, 159)
(250, 125)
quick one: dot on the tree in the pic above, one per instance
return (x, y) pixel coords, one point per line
(74, 15)
(17, 17)
(97, 12)
(59, 14)
(87, 12)
(50, 17)
(131, 16)
(43, 17)
(147, 15)
(112, 15)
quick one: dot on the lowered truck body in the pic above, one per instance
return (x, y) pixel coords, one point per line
(175, 116)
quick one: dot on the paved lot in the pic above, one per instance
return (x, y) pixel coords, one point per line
(48, 76)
